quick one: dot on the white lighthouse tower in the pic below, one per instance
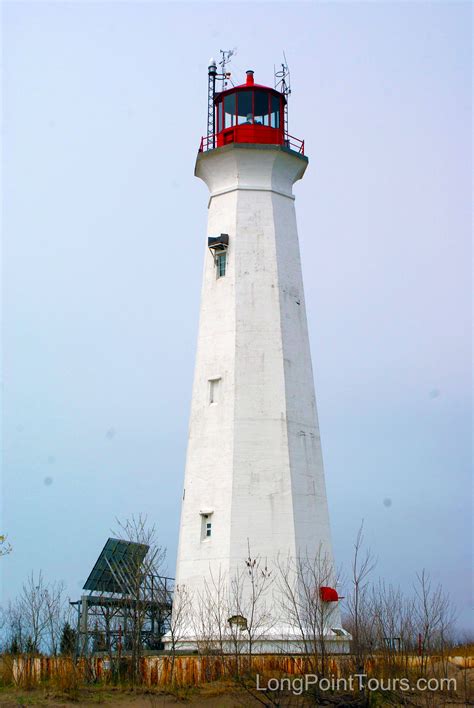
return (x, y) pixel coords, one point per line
(254, 472)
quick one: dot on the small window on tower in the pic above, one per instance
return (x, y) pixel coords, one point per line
(214, 385)
(206, 526)
(221, 262)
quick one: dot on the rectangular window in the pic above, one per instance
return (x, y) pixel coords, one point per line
(206, 526)
(221, 262)
(214, 385)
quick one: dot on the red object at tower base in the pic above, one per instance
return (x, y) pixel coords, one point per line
(328, 594)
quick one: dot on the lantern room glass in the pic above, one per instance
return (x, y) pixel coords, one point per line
(275, 112)
(244, 107)
(250, 106)
(229, 110)
(261, 115)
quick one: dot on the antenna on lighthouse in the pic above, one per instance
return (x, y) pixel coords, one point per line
(211, 91)
(226, 57)
(213, 76)
(283, 84)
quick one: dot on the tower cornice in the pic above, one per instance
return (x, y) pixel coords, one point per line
(245, 166)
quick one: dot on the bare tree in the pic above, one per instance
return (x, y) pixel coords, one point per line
(139, 577)
(181, 623)
(303, 606)
(34, 620)
(210, 620)
(392, 614)
(32, 606)
(250, 604)
(56, 610)
(433, 616)
(5, 547)
(358, 603)
(15, 631)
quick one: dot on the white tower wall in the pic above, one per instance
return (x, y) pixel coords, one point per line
(254, 460)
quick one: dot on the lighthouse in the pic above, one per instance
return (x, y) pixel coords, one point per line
(254, 483)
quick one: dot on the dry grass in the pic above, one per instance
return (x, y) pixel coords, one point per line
(6, 670)
(218, 696)
(461, 650)
(66, 686)
(67, 680)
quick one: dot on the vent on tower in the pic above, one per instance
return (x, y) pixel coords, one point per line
(218, 243)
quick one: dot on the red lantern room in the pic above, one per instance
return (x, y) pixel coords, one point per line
(249, 113)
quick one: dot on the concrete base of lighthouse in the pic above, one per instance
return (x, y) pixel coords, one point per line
(272, 643)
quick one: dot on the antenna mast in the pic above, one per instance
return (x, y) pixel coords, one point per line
(211, 91)
(226, 57)
(213, 76)
(283, 83)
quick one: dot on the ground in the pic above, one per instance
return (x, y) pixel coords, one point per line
(215, 696)
(119, 698)
(218, 694)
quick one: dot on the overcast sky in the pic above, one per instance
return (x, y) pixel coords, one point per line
(104, 231)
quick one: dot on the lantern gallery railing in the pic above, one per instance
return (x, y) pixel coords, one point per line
(294, 144)
(209, 142)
